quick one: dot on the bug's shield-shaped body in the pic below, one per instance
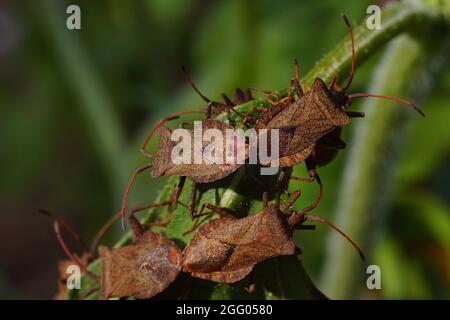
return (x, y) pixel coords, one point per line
(226, 249)
(163, 164)
(302, 123)
(142, 269)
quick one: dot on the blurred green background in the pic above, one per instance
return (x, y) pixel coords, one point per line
(75, 106)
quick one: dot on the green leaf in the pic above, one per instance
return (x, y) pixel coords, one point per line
(285, 278)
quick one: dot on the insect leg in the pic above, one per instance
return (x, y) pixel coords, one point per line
(291, 201)
(194, 225)
(227, 100)
(136, 226)
(266, 92)
(265, 198)
(210, 104)
(316, 177)
(223, 212)
(101, 232)
(239, 97)
(175, 193)
(173, 198)
(193, 199)
(306, 180)
(127, 191)
(132, 219)
(196, 222)
(247, 95)
(295, 218)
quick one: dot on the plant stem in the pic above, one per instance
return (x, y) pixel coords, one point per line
(94, 103)
(395, 19)
(368, 178)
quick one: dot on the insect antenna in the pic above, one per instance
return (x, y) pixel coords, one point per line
(191, 83)
(56, 225)
(297, 72)
(227, 100)
(402, 101)
(173, 116)
(66, 226)
(333, 82)
(228, 103)
(342, 233)
(66, 248)
(352, 71)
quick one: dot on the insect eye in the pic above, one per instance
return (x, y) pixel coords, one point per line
(341, 99)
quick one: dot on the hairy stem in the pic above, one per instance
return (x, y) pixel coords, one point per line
(368, 178)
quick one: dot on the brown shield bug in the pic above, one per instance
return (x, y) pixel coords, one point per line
(310, 127)
(315, 114)
(201, 173)
(226, 249)
(198, 174)
(143, 269)
(88, 254)
(327, 147)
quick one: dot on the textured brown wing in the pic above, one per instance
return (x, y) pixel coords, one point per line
(303, 123)
(201, 173)
(224, 276)
(229, 248)
(142, 269)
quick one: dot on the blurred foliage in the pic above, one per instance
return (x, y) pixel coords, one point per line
(128, 56)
